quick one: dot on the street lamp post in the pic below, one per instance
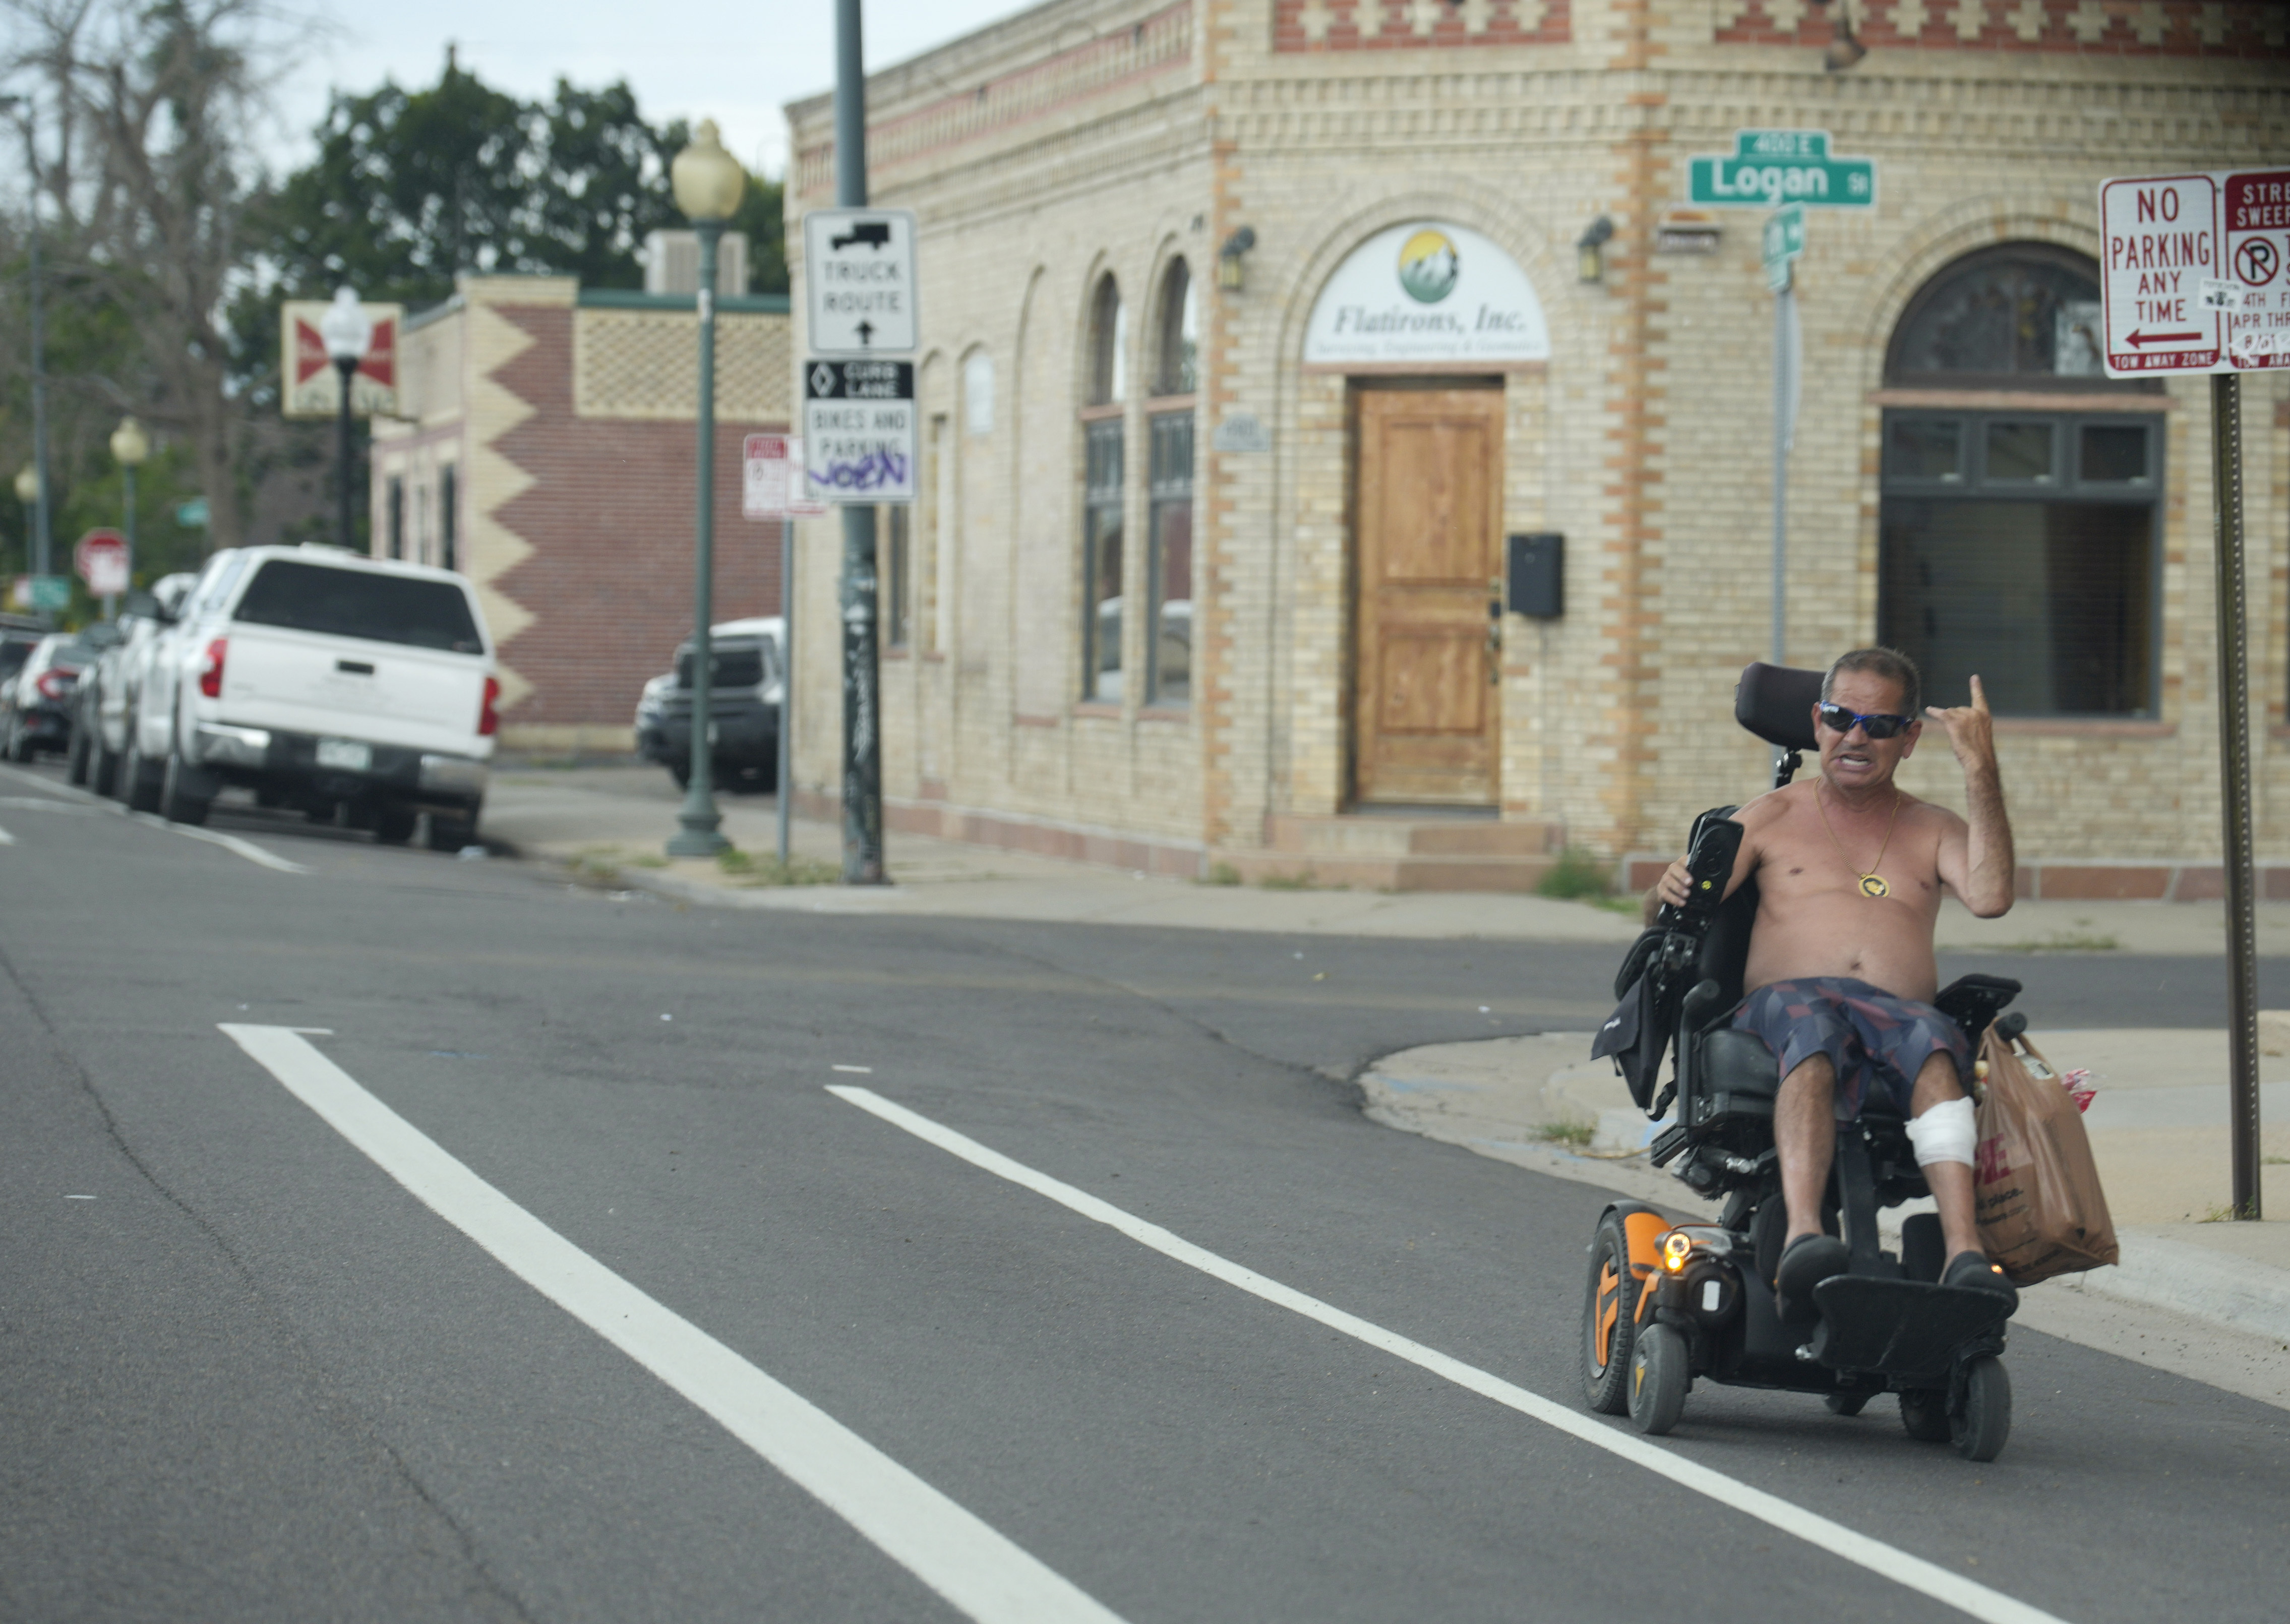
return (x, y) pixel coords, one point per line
(130, 446)
(21, 106)
(27, 491)
(347, 330)
(710, 185)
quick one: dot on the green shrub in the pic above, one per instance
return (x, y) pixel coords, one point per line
(1579, 875)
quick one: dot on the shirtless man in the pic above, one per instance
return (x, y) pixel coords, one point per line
(1841, 974)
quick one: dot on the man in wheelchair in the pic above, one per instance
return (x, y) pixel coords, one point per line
(1841, 972)
(1820, 1076)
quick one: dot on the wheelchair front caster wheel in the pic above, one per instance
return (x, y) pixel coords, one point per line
(1925, 1413)
(1847, 1404)
(1983, 1420)
(1659, 1378)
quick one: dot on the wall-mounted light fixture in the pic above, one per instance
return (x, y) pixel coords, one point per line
(1844, 48)
(1232, 270)
(1589, 249)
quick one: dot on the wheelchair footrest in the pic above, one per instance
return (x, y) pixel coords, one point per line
(1899, 1327)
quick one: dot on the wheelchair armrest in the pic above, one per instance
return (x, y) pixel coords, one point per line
(1705, 1004)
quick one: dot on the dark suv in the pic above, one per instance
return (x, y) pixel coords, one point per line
(743, 707)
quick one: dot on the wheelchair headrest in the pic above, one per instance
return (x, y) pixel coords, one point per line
(1775, 703)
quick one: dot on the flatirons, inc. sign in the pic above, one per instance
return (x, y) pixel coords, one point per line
(1430, 292)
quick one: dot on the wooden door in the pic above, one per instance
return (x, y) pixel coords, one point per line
(1428, 544)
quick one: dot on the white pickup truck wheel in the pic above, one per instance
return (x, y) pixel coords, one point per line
(177, 805)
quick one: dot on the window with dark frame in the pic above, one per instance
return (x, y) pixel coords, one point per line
(2023, 547)
(1169, 562)
(1101, 561)
(2019, 544)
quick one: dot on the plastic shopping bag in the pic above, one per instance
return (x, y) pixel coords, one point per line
(2036, 1192)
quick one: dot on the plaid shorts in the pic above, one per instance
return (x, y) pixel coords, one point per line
(1868, 1035)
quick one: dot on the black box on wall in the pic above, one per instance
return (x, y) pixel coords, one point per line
(1537, 575)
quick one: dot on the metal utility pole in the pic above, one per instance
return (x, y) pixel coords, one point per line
(862, 746)
(2234, 774)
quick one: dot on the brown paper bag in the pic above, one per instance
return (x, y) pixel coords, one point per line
(2036, 1192)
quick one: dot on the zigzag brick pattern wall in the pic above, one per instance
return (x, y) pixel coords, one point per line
(609, 517)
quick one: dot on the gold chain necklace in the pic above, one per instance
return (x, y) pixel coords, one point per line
(1872, 883)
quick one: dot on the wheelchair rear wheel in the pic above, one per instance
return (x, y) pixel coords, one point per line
(1610, 1299)
(1659, 1378)
(1981, 1421)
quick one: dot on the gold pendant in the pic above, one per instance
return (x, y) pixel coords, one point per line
(1873, 886)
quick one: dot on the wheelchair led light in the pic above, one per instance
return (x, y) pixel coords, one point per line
(1676, 1246)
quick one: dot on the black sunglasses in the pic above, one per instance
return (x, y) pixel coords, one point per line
(1879, 725)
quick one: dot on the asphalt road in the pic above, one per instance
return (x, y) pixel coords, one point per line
(252, 1375)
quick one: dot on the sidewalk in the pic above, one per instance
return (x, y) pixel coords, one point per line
(612, 820)
(2208, 1299)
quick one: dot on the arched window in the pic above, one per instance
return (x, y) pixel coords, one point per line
(1176, 333)
(1101, 495)
(2024, 314)
(1169, 494)
(2019, 540)
(1108, 345)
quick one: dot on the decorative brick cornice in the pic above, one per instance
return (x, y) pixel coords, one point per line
(1417, 25)
(2104, 28)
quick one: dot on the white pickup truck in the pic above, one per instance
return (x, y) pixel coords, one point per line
(323, 681)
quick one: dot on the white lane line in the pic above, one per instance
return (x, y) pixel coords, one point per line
(6, 839)
(246, 849)
(957, 1554)
(1913, 1572)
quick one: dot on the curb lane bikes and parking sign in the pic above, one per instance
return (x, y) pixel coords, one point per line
(859, 442)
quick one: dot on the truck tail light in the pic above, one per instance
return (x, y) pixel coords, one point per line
(211, 668)
(488, 720)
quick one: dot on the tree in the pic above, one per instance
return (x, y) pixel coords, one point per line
(411, 187)
(148, 182)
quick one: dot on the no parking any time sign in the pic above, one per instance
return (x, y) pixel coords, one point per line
(2195, 272)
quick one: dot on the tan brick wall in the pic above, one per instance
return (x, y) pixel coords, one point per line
(1645, 439)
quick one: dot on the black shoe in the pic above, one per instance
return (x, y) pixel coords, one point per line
(1805, 1262)
(1973, 1270)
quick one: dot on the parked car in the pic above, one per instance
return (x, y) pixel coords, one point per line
(743, 707)
(19, 635)
(35, 705)
(107, 689)
(323, 681)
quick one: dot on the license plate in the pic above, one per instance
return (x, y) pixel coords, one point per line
(347, 754)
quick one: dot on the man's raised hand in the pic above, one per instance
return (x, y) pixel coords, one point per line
(1970, 730)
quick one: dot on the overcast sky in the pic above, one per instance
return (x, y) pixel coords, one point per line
(736, 63)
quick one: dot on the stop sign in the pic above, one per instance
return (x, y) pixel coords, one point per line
(101, 560)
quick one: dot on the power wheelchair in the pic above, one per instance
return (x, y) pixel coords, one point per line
(1664, 1304)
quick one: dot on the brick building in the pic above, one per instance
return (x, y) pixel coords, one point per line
(547, 449)
(1252, 327)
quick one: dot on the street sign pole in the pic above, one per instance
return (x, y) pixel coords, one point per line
(863, 754)
(2234, 772)
(2195, 281)
(785, 775)
(1785, 241)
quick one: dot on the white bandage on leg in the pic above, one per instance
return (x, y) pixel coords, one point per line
(1945, 1132)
